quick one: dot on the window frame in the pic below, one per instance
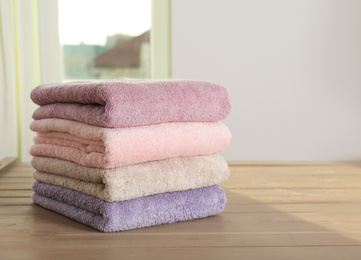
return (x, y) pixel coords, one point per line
(49, 45)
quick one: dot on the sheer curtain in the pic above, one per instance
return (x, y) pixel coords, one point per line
(8, 80)
(29, 56)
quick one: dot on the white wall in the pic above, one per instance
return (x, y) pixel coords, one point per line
(292, 68)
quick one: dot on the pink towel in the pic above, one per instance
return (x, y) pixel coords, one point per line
(101, 147)
(129, 102)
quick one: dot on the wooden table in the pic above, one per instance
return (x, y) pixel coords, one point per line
(274, 211)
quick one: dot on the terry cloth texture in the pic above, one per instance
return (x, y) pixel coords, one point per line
(129, 102)
(101, 147)
(129, 182)
(130, 214)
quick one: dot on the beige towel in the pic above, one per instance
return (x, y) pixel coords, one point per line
(133, 181)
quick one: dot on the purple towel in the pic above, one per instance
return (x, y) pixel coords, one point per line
(130, 214)
(129, 102)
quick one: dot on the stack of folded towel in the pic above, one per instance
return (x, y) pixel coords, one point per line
(125, 154)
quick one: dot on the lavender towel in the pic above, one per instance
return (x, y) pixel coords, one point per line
(129, 102)
(130, 214)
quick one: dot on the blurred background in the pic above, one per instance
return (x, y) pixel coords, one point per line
(292, 68)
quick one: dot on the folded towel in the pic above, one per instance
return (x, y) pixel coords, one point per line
(101, 147)
(130, 214)
(129, 102)
(129, 182)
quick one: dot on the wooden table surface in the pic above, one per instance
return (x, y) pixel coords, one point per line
(274, 211)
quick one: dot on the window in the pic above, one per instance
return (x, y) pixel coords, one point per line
(104, 39)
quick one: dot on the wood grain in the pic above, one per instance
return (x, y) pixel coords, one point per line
(275, 210)
(7, 163)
